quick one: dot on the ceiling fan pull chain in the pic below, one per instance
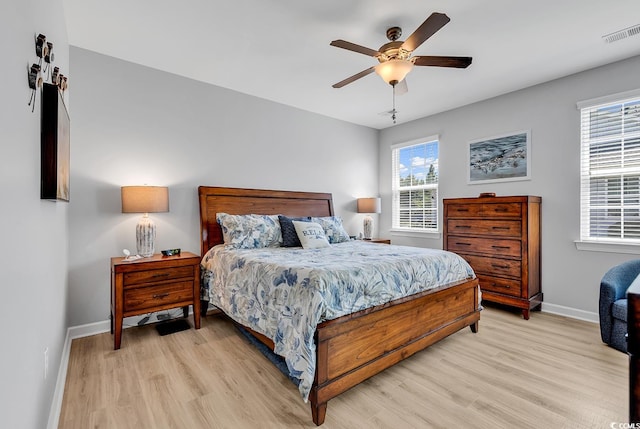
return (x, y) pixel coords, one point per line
(393, 115)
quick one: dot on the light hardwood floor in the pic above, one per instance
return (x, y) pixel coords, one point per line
(547, 372)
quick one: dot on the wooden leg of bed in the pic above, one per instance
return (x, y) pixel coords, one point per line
(318, 411)
(474, 327)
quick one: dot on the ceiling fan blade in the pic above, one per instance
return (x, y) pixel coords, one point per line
(457, 62)
(356, 76)
(427, 29)
(355, 48)
(402, 88)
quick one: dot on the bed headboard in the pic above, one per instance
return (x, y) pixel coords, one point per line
(254, 201)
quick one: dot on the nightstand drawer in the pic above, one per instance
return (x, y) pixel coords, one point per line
(495, 284)
(494, 266)
(158, 295)
(495, 247)
(161, 274)
(502, 228)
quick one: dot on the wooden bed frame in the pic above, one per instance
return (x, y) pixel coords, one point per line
(354, 347)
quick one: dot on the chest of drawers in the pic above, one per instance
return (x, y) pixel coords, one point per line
(500, 238)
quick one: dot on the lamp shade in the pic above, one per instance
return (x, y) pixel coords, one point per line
(369, 205)
(394, 71)
(145, 199)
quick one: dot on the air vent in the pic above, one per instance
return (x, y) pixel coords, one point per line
(622, 34)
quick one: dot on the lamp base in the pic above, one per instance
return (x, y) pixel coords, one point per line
(146, 237)
(367, 227)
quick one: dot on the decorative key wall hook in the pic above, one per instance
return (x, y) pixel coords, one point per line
(39, 73)
(35, 82)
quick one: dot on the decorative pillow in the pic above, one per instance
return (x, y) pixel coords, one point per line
(311, 235)
(289, 234)
(250, 231)
(333, 228)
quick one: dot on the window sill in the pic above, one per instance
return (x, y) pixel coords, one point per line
(609, 247)
(415, 234)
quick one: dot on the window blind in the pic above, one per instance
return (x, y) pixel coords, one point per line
(610, 171)
(415, 185)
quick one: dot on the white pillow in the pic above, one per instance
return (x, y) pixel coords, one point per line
(311, 235)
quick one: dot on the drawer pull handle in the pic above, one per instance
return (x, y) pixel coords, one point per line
(503, 286)
(500, 247)
(506, 228)
(463, 244)
(160, 295)
(500, 266)
(462, 210)
(500, 210)
(463, 226)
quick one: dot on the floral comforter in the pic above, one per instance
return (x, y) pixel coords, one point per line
(285, 292)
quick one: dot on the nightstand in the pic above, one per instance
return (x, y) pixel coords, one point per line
(153, 284)
(379, 240)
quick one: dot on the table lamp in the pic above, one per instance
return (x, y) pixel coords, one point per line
(368, 205)
(145, 199)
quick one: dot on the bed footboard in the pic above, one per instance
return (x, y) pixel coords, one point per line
(355, 347)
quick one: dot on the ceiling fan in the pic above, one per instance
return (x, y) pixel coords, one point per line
(395, 60)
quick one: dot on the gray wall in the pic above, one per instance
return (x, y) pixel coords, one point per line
(570, 278)
(33, 232)
(134, 125)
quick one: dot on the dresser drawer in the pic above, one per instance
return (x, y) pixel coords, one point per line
(502, 209)
(494, 266)
(492, 247)
(502, 228)
(464, 210)
(158, 295)
(496, 284)
(161, 274)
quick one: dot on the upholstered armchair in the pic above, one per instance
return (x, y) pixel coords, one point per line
(613, 303)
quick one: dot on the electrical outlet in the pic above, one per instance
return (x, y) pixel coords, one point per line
(46, 362)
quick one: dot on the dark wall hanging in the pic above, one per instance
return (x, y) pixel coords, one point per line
(55, 141)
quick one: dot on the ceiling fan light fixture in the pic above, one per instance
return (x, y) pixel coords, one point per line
(394, 71)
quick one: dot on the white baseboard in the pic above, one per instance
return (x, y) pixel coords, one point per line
(573, 313)
(58, 392)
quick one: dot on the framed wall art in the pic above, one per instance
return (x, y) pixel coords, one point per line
(54, 145)
(500, 158)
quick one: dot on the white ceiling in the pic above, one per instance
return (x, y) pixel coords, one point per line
(279, 49)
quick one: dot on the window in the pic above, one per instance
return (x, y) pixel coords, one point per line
(415, 185)
(610, 169)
